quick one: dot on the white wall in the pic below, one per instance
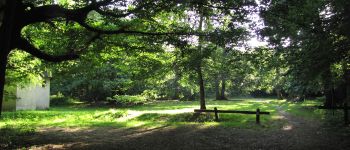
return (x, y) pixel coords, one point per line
(33, 97)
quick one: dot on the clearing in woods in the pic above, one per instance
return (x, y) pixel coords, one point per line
(171, 125)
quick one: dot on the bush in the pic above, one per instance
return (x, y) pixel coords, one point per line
(61, 100)
(127, 100)
(111, 114)
(150, 94)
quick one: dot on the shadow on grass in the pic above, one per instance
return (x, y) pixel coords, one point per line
(90, 117)
(177, 137)
(18, 126)
(11, 136)
(226, 120)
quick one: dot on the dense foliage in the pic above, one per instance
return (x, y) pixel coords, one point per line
(182, 49)
(314, 40)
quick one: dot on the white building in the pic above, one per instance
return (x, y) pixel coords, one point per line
(33, 96)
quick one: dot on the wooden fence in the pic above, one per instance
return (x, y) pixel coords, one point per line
(216, 111)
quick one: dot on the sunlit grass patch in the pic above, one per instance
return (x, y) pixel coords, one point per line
(152, 114)
(111, 114)
(62, 117)
(233, 120)
(308, 110)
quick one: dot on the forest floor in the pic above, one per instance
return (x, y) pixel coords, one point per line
(291, 126)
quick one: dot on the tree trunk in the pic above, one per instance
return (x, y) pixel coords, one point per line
(223, 89)
(328, 88)
(278, 87)
(6, 34)
(279, 93)
(217, 87)
(3, 61)
(347, 80)
(199, 63)
(201, 87)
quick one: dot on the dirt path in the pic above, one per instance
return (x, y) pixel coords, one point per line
(297, 133)
(297, 123)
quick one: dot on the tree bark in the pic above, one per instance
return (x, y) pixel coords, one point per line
(3, 61)
(6, 42)
(201, 87)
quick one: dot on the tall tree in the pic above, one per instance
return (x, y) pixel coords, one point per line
(199, 62)
(135, 17)
(18, 14)
(312, 36)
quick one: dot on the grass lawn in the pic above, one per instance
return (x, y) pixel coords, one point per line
(158, 114)
(150, 115)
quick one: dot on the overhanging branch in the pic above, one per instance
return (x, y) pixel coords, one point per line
(123, 31)
(48, 12)
(24, 45)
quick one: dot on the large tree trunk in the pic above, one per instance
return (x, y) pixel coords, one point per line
(223, 89)
(3, 62)
(6, 36)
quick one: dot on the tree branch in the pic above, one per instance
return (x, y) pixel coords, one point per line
(24, 45)
(47, 12)
(105, 13)
(123, 31)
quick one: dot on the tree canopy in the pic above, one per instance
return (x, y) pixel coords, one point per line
(187, 50)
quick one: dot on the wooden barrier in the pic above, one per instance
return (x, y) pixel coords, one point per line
(216, 111)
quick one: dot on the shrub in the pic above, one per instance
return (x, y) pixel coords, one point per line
(111, 114)
(61, 100)
(150, 94)
(127, 100)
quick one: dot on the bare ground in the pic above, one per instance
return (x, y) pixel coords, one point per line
(297, 133)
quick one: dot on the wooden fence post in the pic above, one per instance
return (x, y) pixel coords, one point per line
(258, 116)
(216, 114)
(346, 113)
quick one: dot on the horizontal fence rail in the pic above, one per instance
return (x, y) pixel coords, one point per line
(216, 111)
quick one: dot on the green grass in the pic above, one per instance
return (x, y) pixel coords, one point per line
(308, 110)
(158, 114)
(161, 113)
(148, 115)
(62, 116)
(304, 109)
